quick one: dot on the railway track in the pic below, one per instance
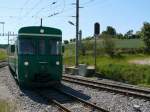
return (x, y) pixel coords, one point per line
(3, 64)
(57, 103)
(126, 90)
(69, 95)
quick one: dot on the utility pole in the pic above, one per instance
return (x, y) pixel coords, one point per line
(41, 22)
(8, 47)
(77, 32)
(3, 26)
(8, 37)
(80, 39)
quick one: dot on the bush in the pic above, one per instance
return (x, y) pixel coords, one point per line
(66, 42)
(3, 54)
(146, 36)
(133, 74)
(109, 45)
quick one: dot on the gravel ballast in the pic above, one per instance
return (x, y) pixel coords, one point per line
(29, 101)
(112, 101)
(26, 100)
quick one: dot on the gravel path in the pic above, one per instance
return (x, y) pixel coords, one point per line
(141, 61)
(111, 101)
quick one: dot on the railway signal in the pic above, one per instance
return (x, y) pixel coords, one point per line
(96, 34)
(96, 29)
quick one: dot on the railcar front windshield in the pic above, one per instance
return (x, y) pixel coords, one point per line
(45, 47)
(42, 47)
(54, 47)
(26, 46)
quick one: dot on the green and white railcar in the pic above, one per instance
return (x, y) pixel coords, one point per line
(36, 57)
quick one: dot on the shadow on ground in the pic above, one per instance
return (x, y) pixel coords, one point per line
(53, 94)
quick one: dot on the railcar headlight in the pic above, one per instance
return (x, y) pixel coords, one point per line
(26, 63)
(57, 63)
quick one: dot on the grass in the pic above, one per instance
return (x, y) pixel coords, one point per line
(125, 46)
(7, 106)
(120, 43)
(130, 43)
(3, 54)
(118, 68)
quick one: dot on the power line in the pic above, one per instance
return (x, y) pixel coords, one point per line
(13, 8)
(60, 12)
(96, 3)
(21, 10)
(54, 14)
(27, 13)
(88, 2)
(39, 11)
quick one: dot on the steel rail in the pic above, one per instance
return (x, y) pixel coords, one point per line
(107, 84)
(125, 92)
(3, 64)
(2, 61)
(62, 107)
(81, 100)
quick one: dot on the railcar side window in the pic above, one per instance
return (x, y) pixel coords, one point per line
(55, 47)
(26, 46)
(42, 49)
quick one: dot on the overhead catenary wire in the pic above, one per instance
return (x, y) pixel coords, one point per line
(44, 7)
(23, 6)
(28, 12)
(87, 2)
(37, 14)
(94, 3)
(60, 12)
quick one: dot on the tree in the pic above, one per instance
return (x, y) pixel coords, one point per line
(109, 45)
(138, 34)
(70, 40)
(146, 35)
(129, 34)
(109, 31)
(120, 36)
(66, 41)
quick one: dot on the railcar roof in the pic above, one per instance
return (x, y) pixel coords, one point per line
(39, 31)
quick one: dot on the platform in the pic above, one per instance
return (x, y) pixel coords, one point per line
(90, 71)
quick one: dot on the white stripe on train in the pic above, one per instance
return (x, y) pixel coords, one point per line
(34, 34)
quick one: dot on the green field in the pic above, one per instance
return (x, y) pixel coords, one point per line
(3, 54)
(7, 106)
(119, 44)
(116, 68)
(122, 43)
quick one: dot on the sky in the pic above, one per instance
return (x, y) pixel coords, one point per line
(123, 15)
